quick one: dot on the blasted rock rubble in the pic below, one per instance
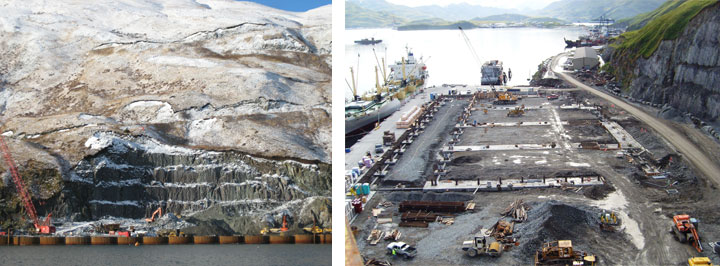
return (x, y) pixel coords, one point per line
(217, 110)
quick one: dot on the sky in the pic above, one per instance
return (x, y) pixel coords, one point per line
(290, 5)
(520, 4)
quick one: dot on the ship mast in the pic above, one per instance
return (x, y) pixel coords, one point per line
(354, 89)
(377, 81)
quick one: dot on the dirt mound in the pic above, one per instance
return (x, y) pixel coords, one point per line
(431, 196)
(598, 192)
(551, 221)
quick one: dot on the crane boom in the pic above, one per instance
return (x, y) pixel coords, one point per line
(470, 46)
(19, 183)
(22, 190)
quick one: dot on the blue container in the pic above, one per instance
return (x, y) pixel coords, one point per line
(432, 96)
(347, 150)
(366, 189)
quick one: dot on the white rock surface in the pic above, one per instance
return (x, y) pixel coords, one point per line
(210, 74)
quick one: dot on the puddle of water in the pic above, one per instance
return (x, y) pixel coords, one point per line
(617, 202)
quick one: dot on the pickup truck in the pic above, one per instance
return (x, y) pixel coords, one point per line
(402, 249)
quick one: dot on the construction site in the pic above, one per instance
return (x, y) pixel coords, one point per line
(523, 176)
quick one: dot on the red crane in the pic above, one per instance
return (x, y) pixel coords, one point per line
(45, 227)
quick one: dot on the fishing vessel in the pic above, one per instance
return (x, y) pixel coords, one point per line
(404, 78)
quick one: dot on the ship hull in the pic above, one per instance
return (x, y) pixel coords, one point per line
(355, 123)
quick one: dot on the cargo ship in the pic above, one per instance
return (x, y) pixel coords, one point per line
(405, 76)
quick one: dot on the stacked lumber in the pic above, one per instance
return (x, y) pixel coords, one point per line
(413, 224)
(517, 210)
(409, 117)
(375, 236)
(377, 262)
(393, 236)
(418, 216)
(432, 206)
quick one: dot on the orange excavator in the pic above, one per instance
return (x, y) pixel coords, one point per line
(685, 228)
(284, 228)
(157, 212)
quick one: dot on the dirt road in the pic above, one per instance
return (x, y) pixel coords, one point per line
(698, 158)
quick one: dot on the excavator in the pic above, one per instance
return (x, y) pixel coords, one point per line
(315, 229)
(284, 228)
(685, 229)
(157, 213)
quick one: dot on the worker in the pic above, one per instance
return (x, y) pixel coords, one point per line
(509, 74)
(394, 252)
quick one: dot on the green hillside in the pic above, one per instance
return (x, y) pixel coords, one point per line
(667, 26)
(358, 17)
(641, 20)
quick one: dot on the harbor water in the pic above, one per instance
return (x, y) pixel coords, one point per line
(239, 254)
(448, 57)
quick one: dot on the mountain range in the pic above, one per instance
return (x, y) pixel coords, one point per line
(380, 13)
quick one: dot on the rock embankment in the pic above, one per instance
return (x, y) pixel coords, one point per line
(683, 73)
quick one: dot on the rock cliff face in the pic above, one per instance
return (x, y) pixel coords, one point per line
(211, 108)
(683, 73)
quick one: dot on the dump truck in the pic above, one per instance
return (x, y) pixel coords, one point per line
(482, 245)
(561, 253)
(685, 229)
(401, 249)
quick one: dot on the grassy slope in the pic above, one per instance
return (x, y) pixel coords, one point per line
(667, 26)
(639, 21)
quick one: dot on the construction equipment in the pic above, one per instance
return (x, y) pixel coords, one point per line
(505, 98)
(715, 247)
(401, 249)
(502, 228)
(284, 228)
(685, 229)
(518, 111)
(42, 228)
(608, 221)
(316, 229)
(561, 253)
(482, 245)
(157, 213)
(699, 261)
